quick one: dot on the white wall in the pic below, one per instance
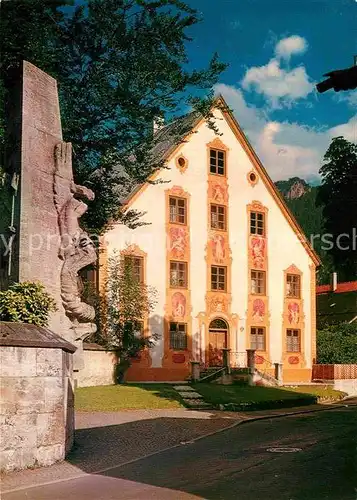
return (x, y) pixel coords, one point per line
(284, 248)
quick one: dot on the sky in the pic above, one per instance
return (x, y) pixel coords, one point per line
(277, 50)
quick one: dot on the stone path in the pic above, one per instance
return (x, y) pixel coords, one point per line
(191, 398)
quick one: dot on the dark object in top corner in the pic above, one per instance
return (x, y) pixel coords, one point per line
(341, 79)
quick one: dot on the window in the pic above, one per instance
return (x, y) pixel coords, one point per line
(293, 286)
(218, 278)
(137, 267)
(177, 210)
(257, 338)
(178, 336)
(217, 162)
(292, 340)
(257, 223)
(178, 274)
(257, 282)
(218, 217)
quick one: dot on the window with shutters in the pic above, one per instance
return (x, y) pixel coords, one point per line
(217, 163)
(257, 338)
(178, 336)
(137, 267)
(257, 223)
(177, 210)
(178, 274)
(292, 340)
(293, 286)
(218, 278)
(218, 217)
(257, 282)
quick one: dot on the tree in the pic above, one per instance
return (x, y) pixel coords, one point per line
(337, 344)
(337, 195)
(126, 303)
(29, 30)
(120, 65)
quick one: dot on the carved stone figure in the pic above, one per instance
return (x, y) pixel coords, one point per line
(76, 248)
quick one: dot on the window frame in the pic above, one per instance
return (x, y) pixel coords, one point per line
(176, 220)
(175, 346)
(291, 336)
(214, 159)
(258, 272)
(140, 259)
(217, 207)
(254, 223)
(179, 263)
(291, 285)
(256, 336)
(218, 274)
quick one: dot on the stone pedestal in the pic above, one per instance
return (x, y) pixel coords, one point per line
(278, 372)
(195, 370)
(251, 365)
(226, 360)
(37, 402)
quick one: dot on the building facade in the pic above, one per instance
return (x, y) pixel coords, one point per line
(226, 257)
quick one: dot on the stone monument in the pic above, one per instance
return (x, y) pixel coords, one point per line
(44, 241)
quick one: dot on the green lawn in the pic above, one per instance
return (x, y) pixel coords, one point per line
(126, 397)
(240, 394)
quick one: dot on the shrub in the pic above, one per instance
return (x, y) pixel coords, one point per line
(26, 302)
(337, 344)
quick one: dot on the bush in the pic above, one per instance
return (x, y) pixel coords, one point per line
(26, 302)
(337, 344)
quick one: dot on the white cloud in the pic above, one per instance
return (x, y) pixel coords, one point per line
(347, 130)
(286, 149)
(280, 84)
(350, 97)
(291, 45)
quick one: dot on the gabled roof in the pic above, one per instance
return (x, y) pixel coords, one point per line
(347, 286)
(168, 141)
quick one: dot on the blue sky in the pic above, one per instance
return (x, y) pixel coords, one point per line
(277, 51)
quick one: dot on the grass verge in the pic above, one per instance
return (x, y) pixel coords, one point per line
(127, 397)
(238, 397)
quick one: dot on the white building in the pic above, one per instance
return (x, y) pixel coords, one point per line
(226, 256)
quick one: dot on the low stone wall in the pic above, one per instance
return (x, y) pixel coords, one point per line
(347, 386)
(98, 367)
(37, 404)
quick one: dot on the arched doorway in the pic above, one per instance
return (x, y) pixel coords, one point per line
(217, 340)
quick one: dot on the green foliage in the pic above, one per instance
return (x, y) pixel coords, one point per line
(119, 65)
(126, 303)
(337, 196)
(26, 302)
(337, 344)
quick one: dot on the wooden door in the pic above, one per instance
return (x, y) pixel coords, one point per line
(217, 342)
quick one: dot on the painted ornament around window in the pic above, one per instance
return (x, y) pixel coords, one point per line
(294, 313)
(178, 305)
(218, 248)
(257, 248)
(219, 193)
(178, 241)
(258, 310)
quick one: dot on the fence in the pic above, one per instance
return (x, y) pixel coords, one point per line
(238, 359)
(334, 372)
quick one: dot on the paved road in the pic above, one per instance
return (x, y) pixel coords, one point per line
(234, 464)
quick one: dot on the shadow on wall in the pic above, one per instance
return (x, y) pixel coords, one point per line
(156, 328)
